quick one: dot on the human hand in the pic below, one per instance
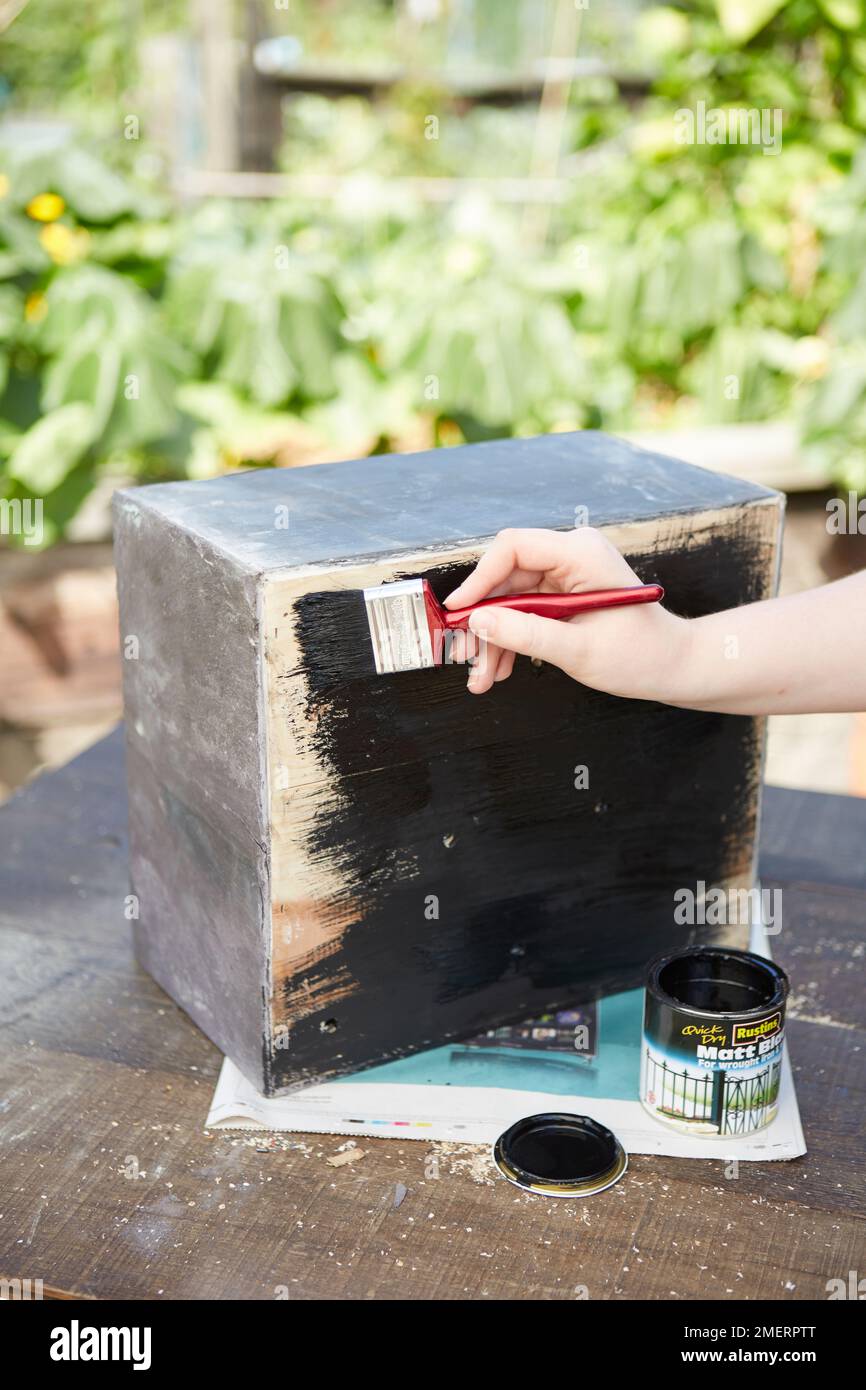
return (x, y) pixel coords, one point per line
(631, 651)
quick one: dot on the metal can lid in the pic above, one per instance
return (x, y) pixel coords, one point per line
(560, 1155)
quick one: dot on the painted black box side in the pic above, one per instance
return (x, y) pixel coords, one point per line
(397, 503)
(197, 833)
(544, 894)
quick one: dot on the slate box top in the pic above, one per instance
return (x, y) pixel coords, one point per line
(405, 502)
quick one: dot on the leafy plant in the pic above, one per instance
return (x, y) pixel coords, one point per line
(691, 283)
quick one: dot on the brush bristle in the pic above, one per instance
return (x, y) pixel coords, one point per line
(332, 632)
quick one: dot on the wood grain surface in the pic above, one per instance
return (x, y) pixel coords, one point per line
(102, 1076)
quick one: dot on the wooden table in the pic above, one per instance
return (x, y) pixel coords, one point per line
(102, 1077)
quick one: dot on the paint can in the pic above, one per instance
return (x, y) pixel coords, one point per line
(711, 1053)
(560, 1155)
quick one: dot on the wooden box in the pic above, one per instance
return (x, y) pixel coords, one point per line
(334, 868)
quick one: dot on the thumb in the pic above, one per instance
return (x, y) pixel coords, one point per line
(545, 639)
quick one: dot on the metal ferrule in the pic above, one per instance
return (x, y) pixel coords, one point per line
(399, 628)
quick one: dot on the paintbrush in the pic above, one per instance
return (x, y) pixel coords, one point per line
(409, 627)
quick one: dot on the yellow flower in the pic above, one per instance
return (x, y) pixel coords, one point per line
(450, 433)
(64, 244)
(46, 207)
(35, 307)
(4, 185)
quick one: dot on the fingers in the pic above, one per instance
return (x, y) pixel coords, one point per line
(485, 666)
(456, 647)
(495, 567)
(579, 559)
(543, 638)
(517, 581)
(462, 648)
(506, 666)
(523, 560)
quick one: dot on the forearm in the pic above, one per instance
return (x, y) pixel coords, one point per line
(802, 654)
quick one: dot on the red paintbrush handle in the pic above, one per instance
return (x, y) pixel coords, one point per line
(559, 605)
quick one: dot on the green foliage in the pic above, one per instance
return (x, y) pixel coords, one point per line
(46, 455)
(833, 415)
(81, 57)
(262, 320)
(677, 283)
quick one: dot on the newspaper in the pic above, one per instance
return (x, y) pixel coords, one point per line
(585, 1061)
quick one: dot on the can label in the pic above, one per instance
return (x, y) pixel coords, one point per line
(707, 1073)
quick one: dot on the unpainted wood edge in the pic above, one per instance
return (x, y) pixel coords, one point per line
(780, 502)
(266, 927)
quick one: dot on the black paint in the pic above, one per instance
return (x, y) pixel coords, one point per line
(547, 894)
(566, 1154)
(720, 982)
(556, 1151)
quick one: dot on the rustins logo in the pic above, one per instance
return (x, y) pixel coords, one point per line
(752, 1032)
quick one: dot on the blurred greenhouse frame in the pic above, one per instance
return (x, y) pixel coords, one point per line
(463, 231)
